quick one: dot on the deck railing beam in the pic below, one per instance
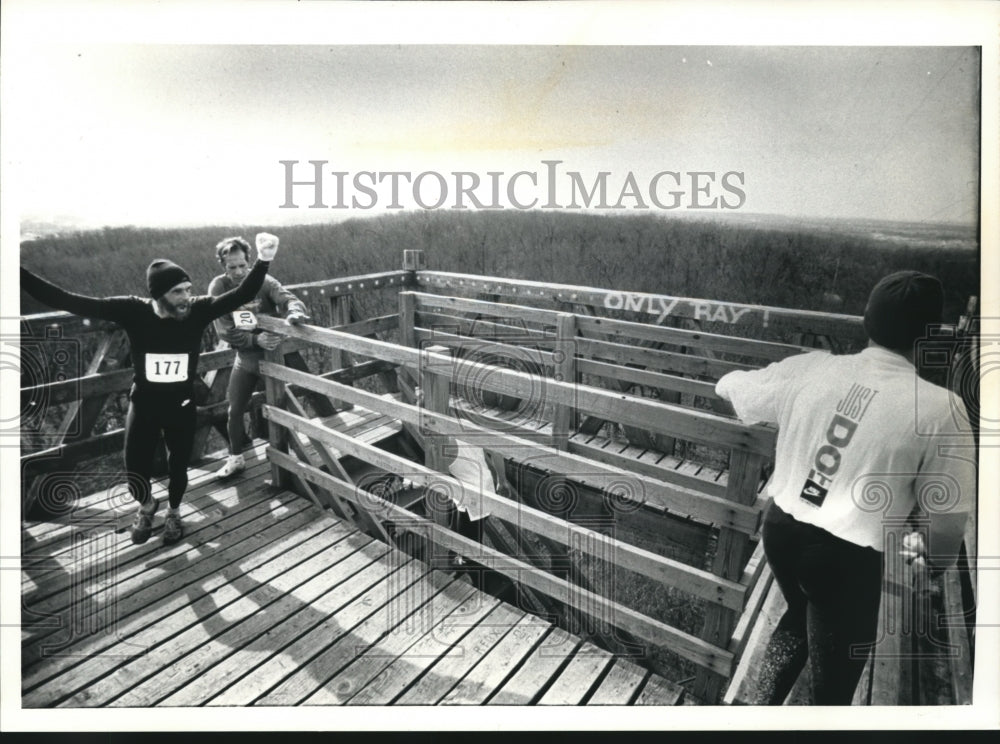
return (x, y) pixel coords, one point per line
(672, 420)
(735, 314)
(594, 474)
(614, 329)
(695, 581)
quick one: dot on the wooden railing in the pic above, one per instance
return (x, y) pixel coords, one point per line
(660, 357)
(438, 365)
(925, 646)
(765, 321)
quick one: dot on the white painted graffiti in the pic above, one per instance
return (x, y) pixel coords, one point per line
(723, 313)
(662, 306)
(641, 303)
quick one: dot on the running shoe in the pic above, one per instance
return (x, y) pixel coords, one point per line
(234, 464)
(142, 525)
(173, 529)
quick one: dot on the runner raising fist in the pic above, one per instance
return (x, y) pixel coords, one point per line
(164, 335)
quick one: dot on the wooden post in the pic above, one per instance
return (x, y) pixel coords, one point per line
(340, 314)
(274, 393)
(407, 337)
(407, 319)
(564, 417)
(731, 555)
(436, 397)
(436, 387)
(406, 380)
(413, 260)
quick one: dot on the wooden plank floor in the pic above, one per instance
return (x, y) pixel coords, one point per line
(267, 600)
(618, 453)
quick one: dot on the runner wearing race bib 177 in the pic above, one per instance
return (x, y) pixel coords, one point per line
(164, 336)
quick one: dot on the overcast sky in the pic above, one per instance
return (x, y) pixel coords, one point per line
(186, 134)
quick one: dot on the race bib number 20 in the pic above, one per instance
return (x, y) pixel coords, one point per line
(166, 367)
(244, 320)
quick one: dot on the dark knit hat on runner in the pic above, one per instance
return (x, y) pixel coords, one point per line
(900, 308)
(162, 276)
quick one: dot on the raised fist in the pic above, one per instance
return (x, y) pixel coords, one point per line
(267, 246)
(914, 548)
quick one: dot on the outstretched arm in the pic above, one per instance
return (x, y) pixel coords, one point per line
(241, 295)
(292, 307)
(756, 395)
(107, 308)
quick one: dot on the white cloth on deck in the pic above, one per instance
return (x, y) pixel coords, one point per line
(469, 467)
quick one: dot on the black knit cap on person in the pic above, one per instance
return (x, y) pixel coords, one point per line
(162, 276)
(900, 308)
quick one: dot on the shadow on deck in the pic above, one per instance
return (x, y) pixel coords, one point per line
(268, 600)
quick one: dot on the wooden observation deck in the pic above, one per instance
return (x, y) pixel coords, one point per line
(270, 600)
(613, 557)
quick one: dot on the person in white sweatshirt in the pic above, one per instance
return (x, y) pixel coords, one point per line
(862, 441)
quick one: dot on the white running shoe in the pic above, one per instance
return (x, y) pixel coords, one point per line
(234, 464)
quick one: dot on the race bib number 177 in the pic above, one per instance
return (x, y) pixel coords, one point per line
(166, 367)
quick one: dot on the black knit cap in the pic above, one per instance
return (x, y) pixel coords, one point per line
(900, 308)
(162, 276)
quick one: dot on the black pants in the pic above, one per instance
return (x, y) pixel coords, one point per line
(149, 415)
(833, 588)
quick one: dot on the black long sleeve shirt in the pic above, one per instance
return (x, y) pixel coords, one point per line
(164, 350)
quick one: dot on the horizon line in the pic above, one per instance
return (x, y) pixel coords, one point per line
(41, 227)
